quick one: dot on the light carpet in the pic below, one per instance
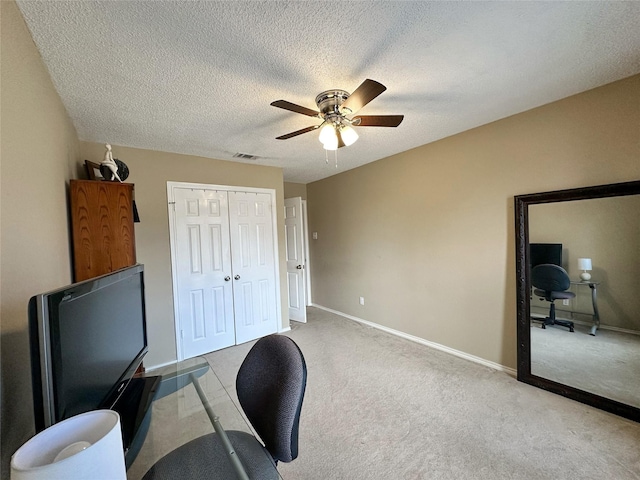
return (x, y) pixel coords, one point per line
(607, 364)
(381, 407)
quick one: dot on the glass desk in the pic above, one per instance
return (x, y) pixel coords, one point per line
(190, 402)
(539, 309)
(593, 286)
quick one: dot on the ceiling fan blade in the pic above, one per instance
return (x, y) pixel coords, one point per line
(292, 107)
(367, 91)
(297, 132)
(377, 120)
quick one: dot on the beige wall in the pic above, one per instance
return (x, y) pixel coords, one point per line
(295, 190)
(427, 236)
(38, 146)
(150, 171)
(607, 230)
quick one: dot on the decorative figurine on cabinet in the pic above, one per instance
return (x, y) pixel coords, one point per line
(108, 167)
(113, 169)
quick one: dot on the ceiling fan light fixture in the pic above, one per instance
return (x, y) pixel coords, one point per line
(349, 135)
(334, 108)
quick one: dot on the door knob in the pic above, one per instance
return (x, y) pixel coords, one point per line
(227, 278)
(299, 267)
(237, 277)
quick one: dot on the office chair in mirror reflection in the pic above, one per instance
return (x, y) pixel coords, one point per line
(270, 384)
(551, 282)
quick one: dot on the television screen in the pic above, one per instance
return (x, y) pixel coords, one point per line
(87, 341)
(540, 253)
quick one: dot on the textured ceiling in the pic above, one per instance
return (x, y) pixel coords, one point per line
(198, 77)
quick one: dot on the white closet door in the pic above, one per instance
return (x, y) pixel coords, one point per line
(203, 271)
(254, 282)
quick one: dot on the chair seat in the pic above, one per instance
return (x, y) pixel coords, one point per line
(550, 296)
(205, 458)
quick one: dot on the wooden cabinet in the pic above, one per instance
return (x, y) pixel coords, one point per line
(102, 224)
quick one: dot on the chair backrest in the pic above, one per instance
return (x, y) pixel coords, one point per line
(550, 278)
(271, 384)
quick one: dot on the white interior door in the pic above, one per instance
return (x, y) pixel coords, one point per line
(203, 271)
(296, 268)
(253, 260)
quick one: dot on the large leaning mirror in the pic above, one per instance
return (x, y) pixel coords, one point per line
(578, 279)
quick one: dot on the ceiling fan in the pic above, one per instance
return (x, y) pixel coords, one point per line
(335, 109)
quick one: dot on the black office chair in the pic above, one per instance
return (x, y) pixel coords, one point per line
(551, 282)
(270, 383)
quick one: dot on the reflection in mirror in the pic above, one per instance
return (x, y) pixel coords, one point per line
(596, 236)
(602, 355)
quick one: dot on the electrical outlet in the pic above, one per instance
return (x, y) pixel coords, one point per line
(361, 300)
(315, 235)
(565, 301)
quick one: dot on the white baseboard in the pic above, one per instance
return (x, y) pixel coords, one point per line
(422, 341)
(618, 329)
(589, 324)
(166, 364)
(155, 367)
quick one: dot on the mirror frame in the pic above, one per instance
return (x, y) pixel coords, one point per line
(522, 203)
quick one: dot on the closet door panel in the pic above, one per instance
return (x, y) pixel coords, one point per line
(253, 262)
(205, 298)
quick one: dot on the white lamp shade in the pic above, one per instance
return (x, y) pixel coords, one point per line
(349, 135)
(584, 264)
(331, 144)
(327, 134)
(328, 137)
(93, 443)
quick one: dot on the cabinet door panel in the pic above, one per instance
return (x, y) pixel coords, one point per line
(102, 223)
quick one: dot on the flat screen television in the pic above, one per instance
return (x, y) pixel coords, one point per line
(87, 341)
(540, 253)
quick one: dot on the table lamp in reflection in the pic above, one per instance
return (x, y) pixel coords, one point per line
(584, 264)
(87, 446)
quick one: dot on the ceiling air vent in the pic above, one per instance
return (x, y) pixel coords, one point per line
(245, 156)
